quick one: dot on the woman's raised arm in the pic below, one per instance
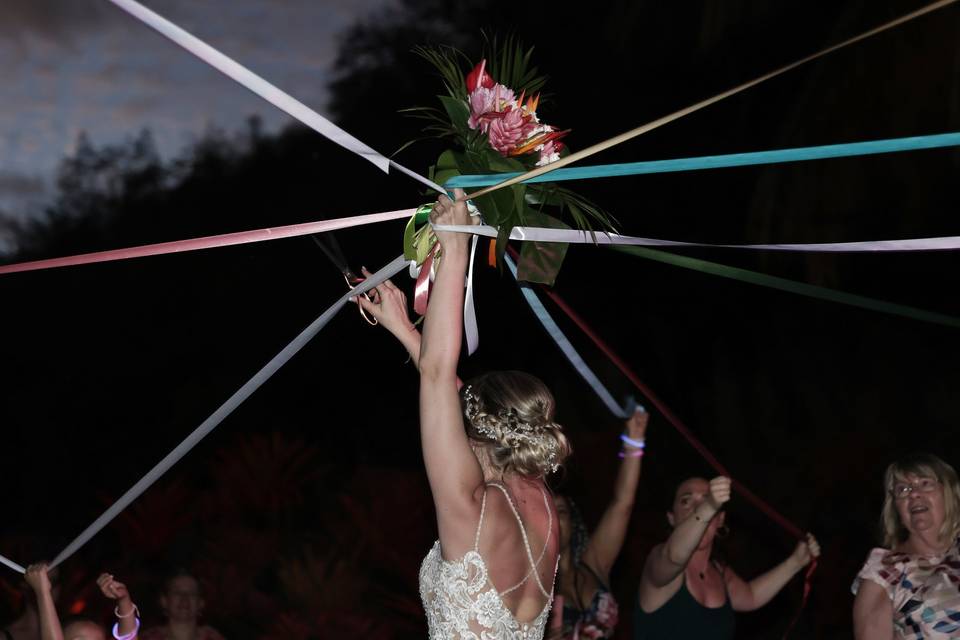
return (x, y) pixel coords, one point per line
(453, 471)
(607, 539)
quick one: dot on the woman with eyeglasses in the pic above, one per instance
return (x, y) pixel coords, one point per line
(909, 587)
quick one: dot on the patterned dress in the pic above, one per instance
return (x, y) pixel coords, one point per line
(598, 620)
(924, 591)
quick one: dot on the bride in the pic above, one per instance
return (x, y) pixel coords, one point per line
(487, 449)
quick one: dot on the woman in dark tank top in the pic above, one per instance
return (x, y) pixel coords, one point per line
(684, 593)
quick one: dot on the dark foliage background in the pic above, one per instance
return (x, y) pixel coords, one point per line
(306, 514)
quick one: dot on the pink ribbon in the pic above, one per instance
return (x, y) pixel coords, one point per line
(421, 293)
(209, 242)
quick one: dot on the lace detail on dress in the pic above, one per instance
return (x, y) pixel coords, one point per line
(461, 602)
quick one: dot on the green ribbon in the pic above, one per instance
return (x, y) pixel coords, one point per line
(783, 284)
(414, 246)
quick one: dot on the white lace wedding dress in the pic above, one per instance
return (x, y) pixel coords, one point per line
(460, 600)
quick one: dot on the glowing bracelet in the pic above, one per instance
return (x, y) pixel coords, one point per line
(135, 611)
(128, 636)
(631, 454)
(630, 442)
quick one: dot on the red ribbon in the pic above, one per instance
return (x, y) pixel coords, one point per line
(685, 431)
(673, 419)
(807, 586)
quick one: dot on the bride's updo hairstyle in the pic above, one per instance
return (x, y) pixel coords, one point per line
(513, 412)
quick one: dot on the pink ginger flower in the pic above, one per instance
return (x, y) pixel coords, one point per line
(509, 130)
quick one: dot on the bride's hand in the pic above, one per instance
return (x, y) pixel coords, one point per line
(452, 212)
(388, 305)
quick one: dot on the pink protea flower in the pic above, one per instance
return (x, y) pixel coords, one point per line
(509, 130)
(486, 103)
(503, 98)
(482, 102)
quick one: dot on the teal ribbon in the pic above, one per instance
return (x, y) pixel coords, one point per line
(783, 284)
(797, 154)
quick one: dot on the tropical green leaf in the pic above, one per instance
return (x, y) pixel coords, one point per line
(409, 143)
(500, 164)
(458, 111)
(520, 202)
(503, 237)
(447, 61)
(541, 261)
(447, 167)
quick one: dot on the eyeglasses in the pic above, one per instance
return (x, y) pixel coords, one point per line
(923, 485)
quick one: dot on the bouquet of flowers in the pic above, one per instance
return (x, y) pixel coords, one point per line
(491, 115)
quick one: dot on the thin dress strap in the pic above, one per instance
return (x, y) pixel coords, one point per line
(526, 541)
(476, 538)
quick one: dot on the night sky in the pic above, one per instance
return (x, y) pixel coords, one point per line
(84, 65)
(306, 513)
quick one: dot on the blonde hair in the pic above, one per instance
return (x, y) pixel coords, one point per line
(924, 465)
(512, 413)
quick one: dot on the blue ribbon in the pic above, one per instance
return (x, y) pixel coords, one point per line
(566, 347)
(871, 147)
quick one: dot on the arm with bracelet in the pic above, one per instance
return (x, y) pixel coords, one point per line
(607, 539)
(128, 615)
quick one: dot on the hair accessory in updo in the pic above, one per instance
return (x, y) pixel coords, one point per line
(507, 428)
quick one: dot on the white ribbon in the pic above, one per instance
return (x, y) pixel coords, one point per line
(285, 102)
(269, 92)
(561, 340)
(13, 565)
(470, 330)
(572, 236)
(223, 411)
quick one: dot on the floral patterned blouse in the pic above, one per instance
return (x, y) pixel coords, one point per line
(599, 620)
(924, 591)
